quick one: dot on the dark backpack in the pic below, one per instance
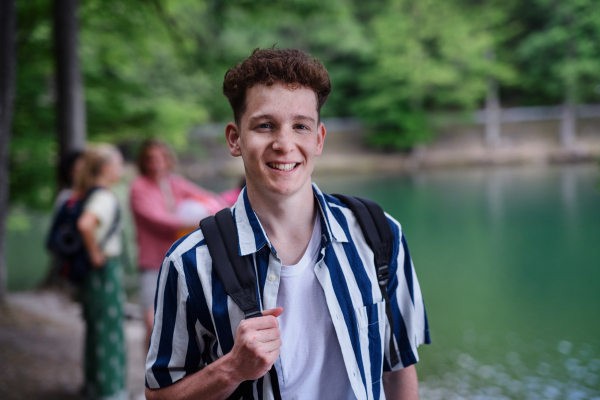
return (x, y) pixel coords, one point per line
(239, 280)
(66, 243)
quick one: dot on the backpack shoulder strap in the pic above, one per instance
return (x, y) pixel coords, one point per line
(237, 275)
(235, 272)
(380, 238)
(374, 225)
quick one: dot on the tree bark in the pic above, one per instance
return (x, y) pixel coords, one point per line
(8, 70)
(71, 117)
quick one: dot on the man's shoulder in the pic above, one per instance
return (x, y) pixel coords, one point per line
(333, 202)
(185, 245)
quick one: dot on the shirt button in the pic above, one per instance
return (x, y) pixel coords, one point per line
(271, 277)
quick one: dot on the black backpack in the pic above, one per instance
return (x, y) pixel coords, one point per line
(239, 279)
(65, 242)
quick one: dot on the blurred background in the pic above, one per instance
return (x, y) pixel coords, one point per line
(476, 124)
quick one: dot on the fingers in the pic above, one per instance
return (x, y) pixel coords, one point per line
(271, 346)
(267, 321)
(260, 331)
(276, 312)
(267, 335)
(257, 345)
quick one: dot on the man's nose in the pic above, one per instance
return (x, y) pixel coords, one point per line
(284, 140)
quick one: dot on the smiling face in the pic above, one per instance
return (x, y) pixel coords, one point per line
(278, 138)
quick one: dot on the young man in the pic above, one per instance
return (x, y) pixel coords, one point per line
(324, 323)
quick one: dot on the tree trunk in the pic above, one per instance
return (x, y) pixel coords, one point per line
(8, 58)
(69, 87)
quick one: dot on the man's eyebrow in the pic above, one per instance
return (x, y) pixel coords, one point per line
(305, 117)
(259, 117)
(269, 116)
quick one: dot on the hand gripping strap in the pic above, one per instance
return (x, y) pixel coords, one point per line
(237, 276)
(380, 238)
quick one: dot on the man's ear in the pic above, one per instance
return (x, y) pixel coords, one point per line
(232, 134)
(321, 132)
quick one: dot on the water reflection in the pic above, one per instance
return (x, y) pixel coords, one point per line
(568, 191)
(525, 371)
(494, 183)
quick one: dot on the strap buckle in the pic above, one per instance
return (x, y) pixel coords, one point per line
(383, 275)
(253, 314)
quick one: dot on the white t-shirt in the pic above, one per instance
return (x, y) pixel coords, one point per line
(104, 204)
(311, 358)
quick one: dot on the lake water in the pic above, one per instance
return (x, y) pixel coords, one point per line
(509, 264)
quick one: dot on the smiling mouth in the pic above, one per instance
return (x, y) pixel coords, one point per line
(282, 167)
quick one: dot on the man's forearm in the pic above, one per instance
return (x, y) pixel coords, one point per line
(255, 349)
(213, 382)
(402, 384)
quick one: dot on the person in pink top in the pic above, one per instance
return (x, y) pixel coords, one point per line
(164, 206)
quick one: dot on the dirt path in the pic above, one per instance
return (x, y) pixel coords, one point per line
(41, 348)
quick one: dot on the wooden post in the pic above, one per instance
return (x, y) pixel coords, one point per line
(71, 118)
(492, 108)
(492, 114)
(8, 62)
(568, 123)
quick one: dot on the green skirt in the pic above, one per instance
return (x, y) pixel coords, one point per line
(103, 297)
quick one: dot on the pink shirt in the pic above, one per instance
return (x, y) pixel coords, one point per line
(156, 226)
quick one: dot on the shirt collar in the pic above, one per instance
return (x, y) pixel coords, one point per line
(252, 237)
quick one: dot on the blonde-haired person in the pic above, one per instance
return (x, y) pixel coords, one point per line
(102, 289)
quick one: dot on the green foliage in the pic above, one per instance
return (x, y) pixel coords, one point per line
(426, 55)
(33, 142)
(155, 68)
(136, 84)
(562, 54)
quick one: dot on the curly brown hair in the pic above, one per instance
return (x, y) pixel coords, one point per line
(291, 67)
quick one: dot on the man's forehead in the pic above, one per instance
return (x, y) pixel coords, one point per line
(280, 98)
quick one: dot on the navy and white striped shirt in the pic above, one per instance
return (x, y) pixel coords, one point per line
(195, 321)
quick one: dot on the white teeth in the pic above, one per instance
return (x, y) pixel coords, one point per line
(283, 167)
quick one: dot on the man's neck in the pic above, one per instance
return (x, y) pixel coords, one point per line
(288, 220)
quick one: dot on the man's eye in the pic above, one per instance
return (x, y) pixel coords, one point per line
(264, 126)
(301, 127)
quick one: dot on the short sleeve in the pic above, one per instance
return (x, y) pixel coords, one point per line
(410, 318)
(103, 204)
(175, 348)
